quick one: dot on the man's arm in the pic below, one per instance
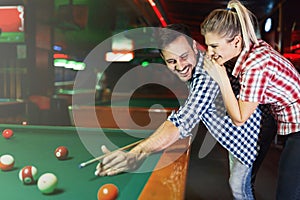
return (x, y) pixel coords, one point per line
(121, 161)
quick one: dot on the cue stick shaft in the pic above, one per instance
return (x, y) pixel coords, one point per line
(102, 156)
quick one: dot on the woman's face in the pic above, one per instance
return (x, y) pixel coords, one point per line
(220, 49)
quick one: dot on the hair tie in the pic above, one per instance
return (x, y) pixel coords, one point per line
(231, 9)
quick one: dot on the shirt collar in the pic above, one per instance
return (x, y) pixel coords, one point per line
(238, 67)
(199, 66)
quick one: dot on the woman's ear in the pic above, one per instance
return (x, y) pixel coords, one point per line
(237, 41)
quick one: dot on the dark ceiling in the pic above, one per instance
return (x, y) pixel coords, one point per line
(118, 15)
(192, 12)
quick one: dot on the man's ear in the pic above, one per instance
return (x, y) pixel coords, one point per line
(195, 48)
(161, 55)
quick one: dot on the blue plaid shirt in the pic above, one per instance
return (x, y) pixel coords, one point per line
(205, 104)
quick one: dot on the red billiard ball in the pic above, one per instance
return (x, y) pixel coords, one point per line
(28, 175)
(7, 133)
(108, 191)
(61, 153)
(6, 162)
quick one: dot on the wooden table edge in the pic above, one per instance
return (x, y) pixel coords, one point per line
(168, 182)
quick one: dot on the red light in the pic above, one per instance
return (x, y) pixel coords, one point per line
(60, 55)
(12, 18)
(158, 13)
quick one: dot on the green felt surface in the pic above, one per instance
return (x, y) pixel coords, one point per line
(35, 145)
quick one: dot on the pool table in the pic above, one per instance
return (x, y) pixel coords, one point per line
(161, 176)
(135, 113)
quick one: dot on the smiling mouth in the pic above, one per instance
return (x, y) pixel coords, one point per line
(216, 57)
(184, 70)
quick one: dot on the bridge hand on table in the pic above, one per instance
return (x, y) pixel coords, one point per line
(116, 162)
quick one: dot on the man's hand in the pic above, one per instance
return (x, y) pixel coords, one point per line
(117, 162)
(120, 161)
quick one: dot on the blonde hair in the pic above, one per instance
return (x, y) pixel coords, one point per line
(230, 22)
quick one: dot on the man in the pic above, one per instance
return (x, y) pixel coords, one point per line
(183, 58)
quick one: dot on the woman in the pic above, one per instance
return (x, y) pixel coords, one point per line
(266, 77)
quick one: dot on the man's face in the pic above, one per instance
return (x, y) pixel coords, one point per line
(181, 57)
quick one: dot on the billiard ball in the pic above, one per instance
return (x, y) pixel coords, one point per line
(7, 133)
(28, 175)
(6, 162)
(47, 183)
(61, 153)
(108, 191)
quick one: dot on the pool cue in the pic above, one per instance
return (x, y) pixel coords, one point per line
(102, 156)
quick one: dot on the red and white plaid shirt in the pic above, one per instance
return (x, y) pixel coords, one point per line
(269, 78)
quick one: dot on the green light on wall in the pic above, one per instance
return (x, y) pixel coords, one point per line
(145, 64)
(60, 62)
(69, 64)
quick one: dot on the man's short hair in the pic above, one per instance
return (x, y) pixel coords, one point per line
(171, 32)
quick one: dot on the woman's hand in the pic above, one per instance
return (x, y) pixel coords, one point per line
(216, 71)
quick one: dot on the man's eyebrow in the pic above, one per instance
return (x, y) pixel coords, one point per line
(170, 59)
(183, 53)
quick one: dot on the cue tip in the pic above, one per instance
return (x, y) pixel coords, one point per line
(82, 165)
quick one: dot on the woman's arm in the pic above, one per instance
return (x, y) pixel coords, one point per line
(239, 111)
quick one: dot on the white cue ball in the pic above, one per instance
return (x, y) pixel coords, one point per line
(47, 183)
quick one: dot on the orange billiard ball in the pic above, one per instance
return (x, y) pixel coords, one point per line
(108, 191)
(6, 162)
(61, 153)
(7, 133)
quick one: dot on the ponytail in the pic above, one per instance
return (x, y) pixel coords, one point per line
(234, 20)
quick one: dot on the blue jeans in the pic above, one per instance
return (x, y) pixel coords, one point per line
(288, 185)
(240, 179)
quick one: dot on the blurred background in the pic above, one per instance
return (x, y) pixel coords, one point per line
(43, 44)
